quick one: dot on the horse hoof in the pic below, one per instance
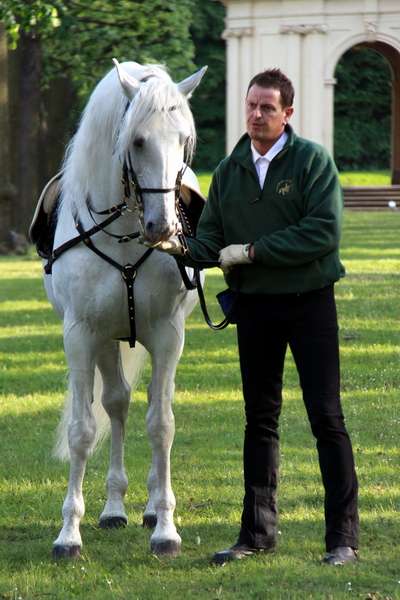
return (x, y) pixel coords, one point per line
(169, 548)
(66, 551)
(149, 521)
(113, 523)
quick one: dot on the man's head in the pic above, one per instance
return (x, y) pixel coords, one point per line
(268, 108)
(274, 78)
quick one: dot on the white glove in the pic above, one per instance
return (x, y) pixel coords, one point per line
(171, 246)
(235, 254)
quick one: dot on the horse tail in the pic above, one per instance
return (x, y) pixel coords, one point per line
(133, 361)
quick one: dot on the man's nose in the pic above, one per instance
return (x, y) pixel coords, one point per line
(257, 112)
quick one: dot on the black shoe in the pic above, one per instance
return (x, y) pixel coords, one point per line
(342, 555)
(237, 552)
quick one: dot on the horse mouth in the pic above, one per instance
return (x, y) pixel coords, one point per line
(151, 241)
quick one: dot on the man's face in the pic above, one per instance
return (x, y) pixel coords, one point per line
(265, 117)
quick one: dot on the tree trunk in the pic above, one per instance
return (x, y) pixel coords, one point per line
(57, 102)
(7, 190)
(27, 158)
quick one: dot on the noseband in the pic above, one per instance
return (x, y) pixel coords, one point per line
(134, 197)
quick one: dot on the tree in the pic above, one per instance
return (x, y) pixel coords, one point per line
(362, 111)
(208, 102)
(76, 41)
(7, 190)
(25, 23)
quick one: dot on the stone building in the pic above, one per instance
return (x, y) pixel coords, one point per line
(306, 39)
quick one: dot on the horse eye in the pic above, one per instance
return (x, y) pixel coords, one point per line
(138, 142)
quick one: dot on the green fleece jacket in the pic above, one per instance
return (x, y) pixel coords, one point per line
(295, 221)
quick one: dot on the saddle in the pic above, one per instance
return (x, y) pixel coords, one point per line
(44, 222)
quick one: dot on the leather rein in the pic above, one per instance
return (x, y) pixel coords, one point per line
(133, 200)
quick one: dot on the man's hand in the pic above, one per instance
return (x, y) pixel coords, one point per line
(235, 254)
(171, 246)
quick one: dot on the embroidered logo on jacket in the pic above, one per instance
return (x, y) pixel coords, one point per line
(284, 187)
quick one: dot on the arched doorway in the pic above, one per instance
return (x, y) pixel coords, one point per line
(393, 58)
(372, 133)
(362, 111)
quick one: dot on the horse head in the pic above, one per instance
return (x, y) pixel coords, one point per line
(156, 132)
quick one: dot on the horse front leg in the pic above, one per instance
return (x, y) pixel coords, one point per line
(81, 432)
(116, 400)
(160, 425)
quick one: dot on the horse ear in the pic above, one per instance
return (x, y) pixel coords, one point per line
(129, 84)
(190, 83)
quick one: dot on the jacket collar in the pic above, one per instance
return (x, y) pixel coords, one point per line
(242, 151)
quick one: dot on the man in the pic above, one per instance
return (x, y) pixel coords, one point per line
(273, 217)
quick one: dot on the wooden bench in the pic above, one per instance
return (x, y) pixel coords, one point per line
(372, 197)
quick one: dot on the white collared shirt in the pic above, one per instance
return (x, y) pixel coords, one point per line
(262, 162)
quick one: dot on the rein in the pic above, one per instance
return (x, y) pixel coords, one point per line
(196, 282)
(128, 271)
(129, 177)
(130, 204)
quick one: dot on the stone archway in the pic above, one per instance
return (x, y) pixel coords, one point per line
(306, 39)
(393, 59)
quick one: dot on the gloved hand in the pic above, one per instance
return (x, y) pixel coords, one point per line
(235, 254)
(171, 246)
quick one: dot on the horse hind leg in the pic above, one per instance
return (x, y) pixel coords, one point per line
(116, 400)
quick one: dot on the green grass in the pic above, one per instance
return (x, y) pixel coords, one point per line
(206, 456)
(355, 178)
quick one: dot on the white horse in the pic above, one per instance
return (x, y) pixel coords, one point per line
(106, 291)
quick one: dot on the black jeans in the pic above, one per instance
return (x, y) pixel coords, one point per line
(266, 324)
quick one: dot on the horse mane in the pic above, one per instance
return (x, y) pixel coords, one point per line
(109, 125)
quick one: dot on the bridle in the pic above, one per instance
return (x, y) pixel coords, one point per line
(129, 178)
(133, 200)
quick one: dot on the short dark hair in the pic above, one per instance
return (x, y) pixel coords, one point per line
(274, 78)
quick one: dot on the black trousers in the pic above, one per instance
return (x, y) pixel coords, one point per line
(266, 325)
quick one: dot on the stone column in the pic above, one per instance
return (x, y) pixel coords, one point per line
(329, 114)
(238, 64)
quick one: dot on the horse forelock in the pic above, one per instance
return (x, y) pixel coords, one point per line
(158, 99)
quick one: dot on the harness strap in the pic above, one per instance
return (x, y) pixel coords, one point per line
(119, 207)
(128, 273)
(80, 238)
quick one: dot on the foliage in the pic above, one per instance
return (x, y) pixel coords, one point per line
(207, 453)
(84, 37)
(208, 102)
(35, 17)
(94, 33)
(362, 111)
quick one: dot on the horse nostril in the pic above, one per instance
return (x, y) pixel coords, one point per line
(159, 231)
(149, 227)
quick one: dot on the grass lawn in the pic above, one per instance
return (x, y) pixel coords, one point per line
(206, 456)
